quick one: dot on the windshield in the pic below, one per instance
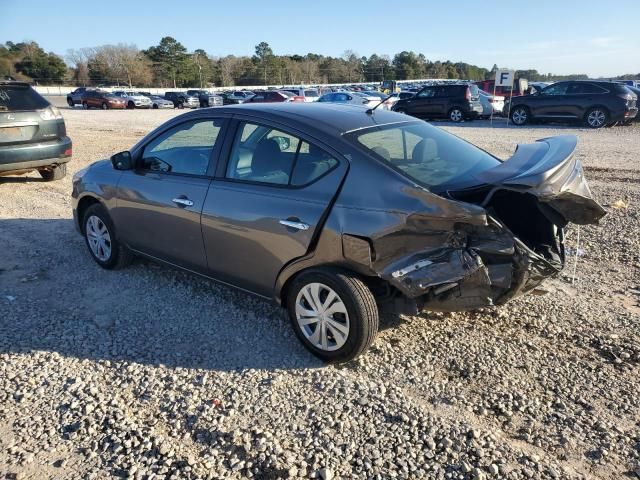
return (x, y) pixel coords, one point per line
(14, 98)
(310, 93)
(426, 154)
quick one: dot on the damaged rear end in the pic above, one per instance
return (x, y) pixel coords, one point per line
(505, 248)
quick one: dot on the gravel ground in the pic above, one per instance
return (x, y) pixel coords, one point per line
(151, 373)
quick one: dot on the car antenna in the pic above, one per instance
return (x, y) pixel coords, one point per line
(371, 110)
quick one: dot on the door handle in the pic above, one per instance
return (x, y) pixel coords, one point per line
(183, 202)
(294, 224)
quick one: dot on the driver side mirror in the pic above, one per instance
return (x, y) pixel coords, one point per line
(122, 161)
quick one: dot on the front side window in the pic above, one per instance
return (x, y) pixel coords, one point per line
(426, 154)
(271, 156)
(426, 93)
(185, 149)
(557, 89)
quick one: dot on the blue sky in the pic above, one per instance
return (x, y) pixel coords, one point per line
(559, 36)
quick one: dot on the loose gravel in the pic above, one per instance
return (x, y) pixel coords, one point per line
(150, 373)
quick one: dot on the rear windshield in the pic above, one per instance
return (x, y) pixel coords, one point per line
(15, 98)
(426, 154)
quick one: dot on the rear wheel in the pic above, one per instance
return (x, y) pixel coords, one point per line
(155, 105)
(85, 105)
(105, 106)
(333, 313)
(180, 105)
(456, 115)
(99, 235)
(596, 117)
(520, 116)
(69, 102)
(54, 172)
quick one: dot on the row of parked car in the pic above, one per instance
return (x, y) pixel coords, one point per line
(595, 103)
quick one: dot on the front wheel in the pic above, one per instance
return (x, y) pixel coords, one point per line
(70, 102)
(596, 117)
(456, 115)
(99, 235)
(105, 106)
(85, 105)
(131, 105)
(520, 116)
(333, 313)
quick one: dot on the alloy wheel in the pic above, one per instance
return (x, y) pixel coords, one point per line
(455, 115)
(322, 316)
(98, 238)
(519, 116)
(596, 118)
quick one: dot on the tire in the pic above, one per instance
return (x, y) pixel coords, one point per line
(110, 253)
(105, 106)
(520, 116)
(131, 105)
(456, 115)
(70, 102)
(359, 319)
(85, 105)
(181, 105)
(596, 117)
(55, 172)
(155, 106)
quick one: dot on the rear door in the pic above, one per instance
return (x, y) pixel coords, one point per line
(268, 203)
(581, 96)
(160, 202)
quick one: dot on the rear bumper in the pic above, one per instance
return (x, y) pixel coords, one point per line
(35, 155)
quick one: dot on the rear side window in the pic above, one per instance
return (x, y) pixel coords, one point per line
(271, 156)
(185, 149)
(16, 98)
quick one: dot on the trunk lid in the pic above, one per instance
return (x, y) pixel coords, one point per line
(549, 170)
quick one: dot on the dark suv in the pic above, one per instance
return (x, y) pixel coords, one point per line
(456, 102)
(182, 100)
(595, 103)
(33, 135)
(207, 99)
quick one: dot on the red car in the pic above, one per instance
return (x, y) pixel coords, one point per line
(103, 100)
(520, 87)
(272, 96)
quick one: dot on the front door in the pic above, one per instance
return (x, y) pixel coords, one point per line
(265, 208)
(160, 202)
(421, 105)
(552, 102)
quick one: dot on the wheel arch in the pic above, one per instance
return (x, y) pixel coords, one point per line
(83, 204)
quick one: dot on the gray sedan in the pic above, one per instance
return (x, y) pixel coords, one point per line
(335, 213)
(160, 102)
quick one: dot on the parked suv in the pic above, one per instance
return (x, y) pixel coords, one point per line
(33, 135)
(182, 100)
(101, 99)
(456, 102)
(207, 99)
(595, 103)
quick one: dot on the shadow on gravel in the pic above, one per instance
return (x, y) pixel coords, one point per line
(53, 297)
(20, 179)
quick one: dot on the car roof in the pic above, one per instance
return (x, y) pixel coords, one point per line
(15, 82)
(329, 118)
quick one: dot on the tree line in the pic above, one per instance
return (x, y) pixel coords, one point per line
(170, 64)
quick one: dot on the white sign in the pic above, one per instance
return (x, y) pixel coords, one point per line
(504, 78)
